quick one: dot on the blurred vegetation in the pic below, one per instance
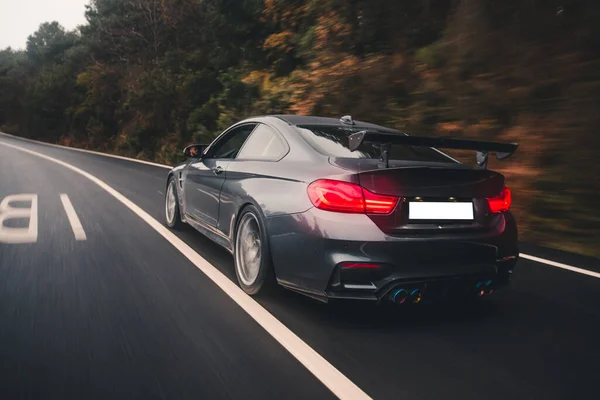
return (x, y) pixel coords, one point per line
(144, 77)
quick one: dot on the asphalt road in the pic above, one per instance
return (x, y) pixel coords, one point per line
(123, 314)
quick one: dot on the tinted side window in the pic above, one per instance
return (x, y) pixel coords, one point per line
(230, 145)
(263, 144)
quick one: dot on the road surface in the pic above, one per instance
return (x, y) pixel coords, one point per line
(98, 304)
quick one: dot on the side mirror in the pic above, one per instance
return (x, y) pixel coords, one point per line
(194, 150)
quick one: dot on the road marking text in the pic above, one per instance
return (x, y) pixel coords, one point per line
(8, 212)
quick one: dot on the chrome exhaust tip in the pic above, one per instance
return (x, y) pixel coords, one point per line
(399, 297)
(484, 287)
(489, 287)
(415, 296)
(406, 295)
(480, 288)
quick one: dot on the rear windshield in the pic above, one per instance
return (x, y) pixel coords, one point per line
(333, 141)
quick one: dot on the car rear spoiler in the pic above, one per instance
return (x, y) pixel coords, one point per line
(502, 150)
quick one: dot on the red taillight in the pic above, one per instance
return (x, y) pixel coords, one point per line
(336, 196)
(347, 197)
(378, 204)
(500, 203)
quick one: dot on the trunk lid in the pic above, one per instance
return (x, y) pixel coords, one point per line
(434, 182)
(445, 184)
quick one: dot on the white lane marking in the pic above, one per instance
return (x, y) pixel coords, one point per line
(331, 377)
(160, 192)
(19, 235)
(73, 219)
(561, 265)
(89, 151)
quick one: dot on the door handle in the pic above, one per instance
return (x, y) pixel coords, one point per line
(217, 170)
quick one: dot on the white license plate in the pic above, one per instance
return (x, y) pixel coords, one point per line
(430, 210)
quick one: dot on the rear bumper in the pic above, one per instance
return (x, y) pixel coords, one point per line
(307, 250)
(432, 286)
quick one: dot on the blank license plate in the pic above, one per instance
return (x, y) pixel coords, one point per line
(440, 211)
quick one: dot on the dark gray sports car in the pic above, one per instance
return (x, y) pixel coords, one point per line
(343, 209)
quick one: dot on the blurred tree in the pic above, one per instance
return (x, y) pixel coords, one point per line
(49, 44)
(13, 84)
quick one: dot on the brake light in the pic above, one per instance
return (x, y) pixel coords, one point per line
(347, 197)
(500, 203)
(378, 204)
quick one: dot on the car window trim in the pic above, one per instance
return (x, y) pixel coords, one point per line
(267, 159)
(224, 134)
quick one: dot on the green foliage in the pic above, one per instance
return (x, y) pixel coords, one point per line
(49, 44)
(13, 83)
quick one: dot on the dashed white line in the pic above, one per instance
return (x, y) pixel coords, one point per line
(561, 265)
(73, 219)
(330, 376)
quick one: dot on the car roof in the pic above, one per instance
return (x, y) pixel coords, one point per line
(293, 119)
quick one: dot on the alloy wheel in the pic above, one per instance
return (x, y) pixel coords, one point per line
(248, 250)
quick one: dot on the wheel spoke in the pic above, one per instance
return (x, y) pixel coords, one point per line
(171, 202)
(248, 249)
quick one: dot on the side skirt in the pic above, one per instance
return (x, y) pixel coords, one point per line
(210, 233)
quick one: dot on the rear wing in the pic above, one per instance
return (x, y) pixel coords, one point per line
(502, 150)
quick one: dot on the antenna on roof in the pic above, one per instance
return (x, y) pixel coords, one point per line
(347, 119)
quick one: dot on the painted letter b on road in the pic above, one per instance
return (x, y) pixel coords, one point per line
(8, 212)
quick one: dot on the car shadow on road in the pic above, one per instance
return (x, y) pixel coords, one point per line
(211, 252)
(291, 307)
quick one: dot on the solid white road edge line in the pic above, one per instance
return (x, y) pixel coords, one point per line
(561, 265)
(332, 378)
(89, 151)
(78, 231)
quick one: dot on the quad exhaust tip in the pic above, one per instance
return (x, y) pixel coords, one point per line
(484, 288)
(414, 295)
(402, 296)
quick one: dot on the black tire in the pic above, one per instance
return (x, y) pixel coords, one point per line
(264, 281)
(175, 222)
